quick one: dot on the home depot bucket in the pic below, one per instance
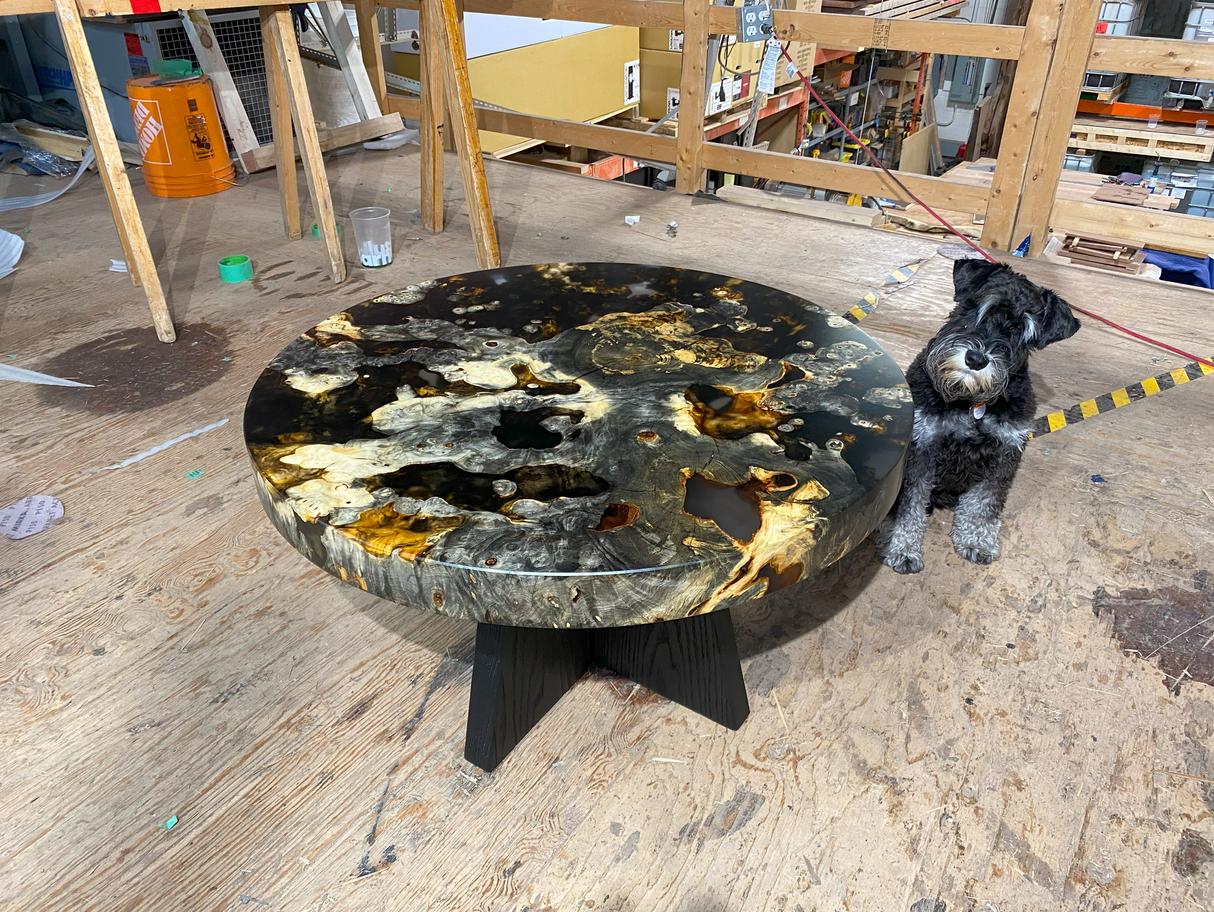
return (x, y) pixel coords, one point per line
(180, 139)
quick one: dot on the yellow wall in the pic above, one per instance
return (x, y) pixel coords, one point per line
(576, 78)
(661, 70)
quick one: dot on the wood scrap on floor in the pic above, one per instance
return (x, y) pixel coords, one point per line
(917, 218)
(835, 212)
(69, 145)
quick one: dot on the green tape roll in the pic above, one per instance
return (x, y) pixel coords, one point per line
(316, 230)
(235, 269)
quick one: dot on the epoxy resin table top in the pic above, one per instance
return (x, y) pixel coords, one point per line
(578, 445)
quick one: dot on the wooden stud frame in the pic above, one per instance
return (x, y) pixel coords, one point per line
(1053, 49)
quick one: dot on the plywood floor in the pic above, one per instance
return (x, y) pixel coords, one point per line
(1036, 735)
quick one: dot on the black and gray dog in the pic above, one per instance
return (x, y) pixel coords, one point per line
(973, 406)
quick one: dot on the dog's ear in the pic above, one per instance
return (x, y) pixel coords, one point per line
(970, 274)
(1057, 322)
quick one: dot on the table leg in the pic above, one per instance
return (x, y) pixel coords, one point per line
(518, 675)
(520, 672)
(693, 661)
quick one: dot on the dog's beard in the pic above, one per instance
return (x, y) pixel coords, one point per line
(955, 381)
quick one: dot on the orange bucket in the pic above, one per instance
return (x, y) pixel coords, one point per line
(180, 139)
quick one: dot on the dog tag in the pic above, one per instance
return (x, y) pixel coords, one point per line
(979, 409)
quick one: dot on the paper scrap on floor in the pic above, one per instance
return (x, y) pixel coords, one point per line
(29, 516)
(11, 246)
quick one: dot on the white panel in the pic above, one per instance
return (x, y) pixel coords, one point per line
(489, 34)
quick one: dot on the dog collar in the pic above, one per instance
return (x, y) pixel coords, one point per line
(978, 410)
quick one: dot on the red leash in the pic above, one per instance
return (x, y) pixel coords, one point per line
(876, 161)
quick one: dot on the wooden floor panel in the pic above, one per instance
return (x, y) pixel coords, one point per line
(1025, 736)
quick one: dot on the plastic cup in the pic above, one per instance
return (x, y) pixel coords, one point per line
(1201, 127)
(1152, 121)
(373, 235)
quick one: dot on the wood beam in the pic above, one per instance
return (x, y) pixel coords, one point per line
(458, 92)
(283, 150)
(814, 172)
(1025, 104)
(1187, 234)
(372, 52)
(828, 30)
(349, 58)
(689, 163)
(206, 47)
(430, 114)
(831, 30)
(331, 137)
(1076, 29)
(653, 147)
(110, 164)
(1153, 56)
(291, 68)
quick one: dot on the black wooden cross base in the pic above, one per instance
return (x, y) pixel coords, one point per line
(520, 673)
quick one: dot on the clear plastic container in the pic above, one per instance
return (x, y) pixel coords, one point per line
(1200, 24)
(373, 235)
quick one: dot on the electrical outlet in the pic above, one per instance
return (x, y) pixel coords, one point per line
(754, 22)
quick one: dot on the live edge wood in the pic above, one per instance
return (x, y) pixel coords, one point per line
(520, 673)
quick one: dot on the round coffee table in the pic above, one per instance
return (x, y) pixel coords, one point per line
(593, 461)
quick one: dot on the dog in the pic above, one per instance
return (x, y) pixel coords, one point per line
(973, 407)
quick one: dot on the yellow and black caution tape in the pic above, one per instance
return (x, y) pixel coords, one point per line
(868, 303)
(1056, 421)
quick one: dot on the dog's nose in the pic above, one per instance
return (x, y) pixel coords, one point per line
(976, 360)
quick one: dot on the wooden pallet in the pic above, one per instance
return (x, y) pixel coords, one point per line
(1112, 95)
(1135, 138)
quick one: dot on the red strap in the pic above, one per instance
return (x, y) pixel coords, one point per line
(145, 6)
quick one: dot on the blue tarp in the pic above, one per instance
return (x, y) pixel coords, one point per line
(1184, 270)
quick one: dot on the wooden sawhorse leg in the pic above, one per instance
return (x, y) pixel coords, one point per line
(458, 91)
(282, 33)
(113, 171)
(432, 116)
(284, 137)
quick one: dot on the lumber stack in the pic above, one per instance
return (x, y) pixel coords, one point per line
(1112, 254)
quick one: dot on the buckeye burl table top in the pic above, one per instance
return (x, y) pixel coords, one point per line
(578, 445)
